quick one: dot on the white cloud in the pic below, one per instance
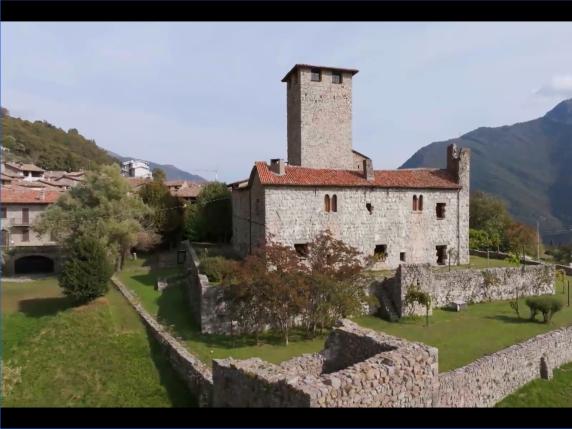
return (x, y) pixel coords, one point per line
(559, 86)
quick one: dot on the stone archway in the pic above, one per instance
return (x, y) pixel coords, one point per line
(34, 264)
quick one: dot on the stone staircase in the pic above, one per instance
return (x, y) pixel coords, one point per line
(387, 307)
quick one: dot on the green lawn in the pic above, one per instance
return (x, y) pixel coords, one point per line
(96, 355)
(544, 393)
(171, 309)
(461, 337)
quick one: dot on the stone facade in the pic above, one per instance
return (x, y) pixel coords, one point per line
(358, 368)
(373, 210)
(319, 122)
(489, 379)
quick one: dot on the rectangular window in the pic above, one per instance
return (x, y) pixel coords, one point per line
(441, 254)
(4, 212)
(441, 210)
(336, 77)
(25, 216)
(380, 252)
(302, 249)
(402, 256)
(25, 235)
(316, 75)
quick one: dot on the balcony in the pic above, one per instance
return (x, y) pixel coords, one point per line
(20, 221)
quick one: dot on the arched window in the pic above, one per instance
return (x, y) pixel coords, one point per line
(420, 205)
(334, 203)
(327, 203)
(414, 203)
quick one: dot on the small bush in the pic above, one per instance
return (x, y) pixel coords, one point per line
(218, 269)
(547, 305)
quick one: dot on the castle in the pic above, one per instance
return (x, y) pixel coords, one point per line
(414, 216)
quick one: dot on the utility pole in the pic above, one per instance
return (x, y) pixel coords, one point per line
(538, 239)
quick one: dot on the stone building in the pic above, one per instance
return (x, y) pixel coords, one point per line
(23, 250)
(136, 168)
(407, 215)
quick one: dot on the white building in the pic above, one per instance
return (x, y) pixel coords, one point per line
(414, 215)
(136, 168)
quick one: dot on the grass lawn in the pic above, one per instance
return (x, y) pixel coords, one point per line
(544, 393)
(171, 309)
(460, 337)
(96, 355)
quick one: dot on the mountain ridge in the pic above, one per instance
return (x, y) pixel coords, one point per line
(527, 164)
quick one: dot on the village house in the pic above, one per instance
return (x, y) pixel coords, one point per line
(136, 168)
(396, 216)
(23, 250)
(184, 189)
(22, 171)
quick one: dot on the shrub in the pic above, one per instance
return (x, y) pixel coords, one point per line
(416, 296)
(87, 270)
(547, 305)
(218, 269)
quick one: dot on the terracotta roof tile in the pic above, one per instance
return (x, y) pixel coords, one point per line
(302, 176)
(19, 195)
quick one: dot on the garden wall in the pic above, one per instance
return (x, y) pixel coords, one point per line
(205, 300)
(489, 379)
(502, 256)
(194, 373)
(357, 368)
(473, 286)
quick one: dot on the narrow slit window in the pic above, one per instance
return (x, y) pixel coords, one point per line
(420, 205)
(441, 210)
(369, 208)
(402, 256)
(414, 203)
(327, 204)
(334, 203)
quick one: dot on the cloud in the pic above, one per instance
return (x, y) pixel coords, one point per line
(559, 86)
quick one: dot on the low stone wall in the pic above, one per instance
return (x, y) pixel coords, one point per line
(473, 286)
(358, 368)
(205, 300)
(502, 256)
(489, 379)
(195, 373)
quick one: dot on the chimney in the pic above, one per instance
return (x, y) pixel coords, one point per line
(368, 170)
(278, 166)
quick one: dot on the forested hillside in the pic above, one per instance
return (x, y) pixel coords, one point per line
(48, 146)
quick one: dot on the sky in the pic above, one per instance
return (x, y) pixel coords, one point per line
(208, 97)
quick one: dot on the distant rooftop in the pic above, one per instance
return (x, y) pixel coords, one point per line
(297, 66)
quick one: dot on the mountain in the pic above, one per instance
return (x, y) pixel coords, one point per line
(528, 164)
(48, 146)
(172, 172)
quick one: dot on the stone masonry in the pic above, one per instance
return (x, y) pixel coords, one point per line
(374, 211)
(358, 368)
(470, 286)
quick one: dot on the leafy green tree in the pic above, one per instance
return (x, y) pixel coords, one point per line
(520, 236)
(167, 210)
(159, 175)
(210, 218)
(87, 269)
(489, 215)
(103, 206)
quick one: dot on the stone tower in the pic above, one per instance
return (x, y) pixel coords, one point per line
(319, 109)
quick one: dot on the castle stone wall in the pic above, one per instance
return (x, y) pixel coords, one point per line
(473, 286)
(489, 379)
(297, 215)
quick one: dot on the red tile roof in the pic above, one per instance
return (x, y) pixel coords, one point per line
(18, 195)
(303, 176)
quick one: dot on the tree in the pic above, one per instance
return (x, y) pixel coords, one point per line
(87, 269)
(489, 215)
(167, 210)
(210, 218)
(102, 206)
(159, 175)
(520, 236)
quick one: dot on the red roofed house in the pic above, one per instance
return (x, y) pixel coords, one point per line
(414, 216)
(24, 250)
